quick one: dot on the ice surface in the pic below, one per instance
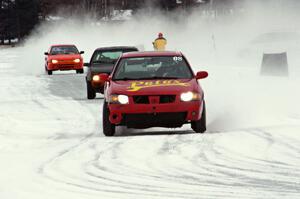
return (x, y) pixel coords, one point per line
(51, 145)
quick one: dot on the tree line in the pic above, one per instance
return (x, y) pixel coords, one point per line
(19, 17)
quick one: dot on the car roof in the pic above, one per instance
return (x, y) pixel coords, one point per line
(151, 54)
(62, 45)
(116, 48)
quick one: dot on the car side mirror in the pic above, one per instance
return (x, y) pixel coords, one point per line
(201, 75)
(81, 52)
(46, 53)
(86, 64)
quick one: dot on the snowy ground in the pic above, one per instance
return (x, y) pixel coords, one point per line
(51, 141)
(51, 144)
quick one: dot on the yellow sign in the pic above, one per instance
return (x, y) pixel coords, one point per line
(138, 85)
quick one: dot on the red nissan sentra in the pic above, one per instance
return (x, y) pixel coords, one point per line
(153, 89)
(63, 57)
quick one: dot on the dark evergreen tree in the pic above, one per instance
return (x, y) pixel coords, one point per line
(8, 30)
(18, 17)
(27, 16)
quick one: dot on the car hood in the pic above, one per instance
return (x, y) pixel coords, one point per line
(154, 87)
(65, 57)
(101, 68)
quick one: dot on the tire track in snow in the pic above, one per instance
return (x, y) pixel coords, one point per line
(120, 175)
(235, 164)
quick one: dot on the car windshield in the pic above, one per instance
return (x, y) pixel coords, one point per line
(106, 57)
(167, 67)
(63, 50)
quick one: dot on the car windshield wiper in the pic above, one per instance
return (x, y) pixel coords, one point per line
(103, 62)
(125, 78)
(156, 77)
(144, 78)
(98, 62)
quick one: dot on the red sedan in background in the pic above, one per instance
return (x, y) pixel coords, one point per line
(63, 57)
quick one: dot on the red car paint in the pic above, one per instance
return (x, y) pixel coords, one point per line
(154, 90)
(158, 88)
(72, 61)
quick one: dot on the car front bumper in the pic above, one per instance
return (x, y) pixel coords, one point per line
(152, 115)
(65, 66)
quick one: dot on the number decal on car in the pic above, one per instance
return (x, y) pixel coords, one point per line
(177, 58)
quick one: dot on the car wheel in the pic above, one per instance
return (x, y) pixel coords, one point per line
(91, 94)
(102, 90)
(49, 72)
(199, 126)
(109, 129)
(79, 71)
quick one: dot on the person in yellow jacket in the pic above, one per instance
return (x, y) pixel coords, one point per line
(160, 43)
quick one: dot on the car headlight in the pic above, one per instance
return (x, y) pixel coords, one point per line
(190, 96)
(96, 78)
(54, 61)
(76, 60)
(119, 99)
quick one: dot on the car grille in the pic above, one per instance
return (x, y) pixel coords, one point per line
(161, 99)
(66, 65)
(144, 120)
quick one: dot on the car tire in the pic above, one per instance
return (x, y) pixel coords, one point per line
(102, 90)
(49, 72)
(199, 126)
(109, 129)
(79, 71)
(91, 94)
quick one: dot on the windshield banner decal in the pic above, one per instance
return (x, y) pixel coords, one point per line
(138, 85)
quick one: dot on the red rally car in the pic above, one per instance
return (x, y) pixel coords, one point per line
(63, 57)
(153, 89)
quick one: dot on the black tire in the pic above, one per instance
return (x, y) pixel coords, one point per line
(79, 71)
(102, 90)
(200, 125)
(109, 129)
(91, 94)
(49, 72)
